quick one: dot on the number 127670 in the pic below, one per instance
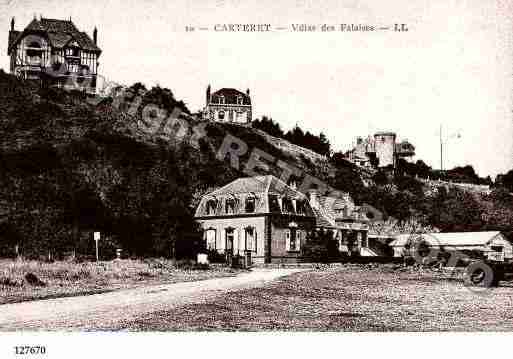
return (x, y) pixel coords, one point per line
(29, 349)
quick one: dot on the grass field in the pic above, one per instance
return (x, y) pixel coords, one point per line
(60, 279)
(351, 298)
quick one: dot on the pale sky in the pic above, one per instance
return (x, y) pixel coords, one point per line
(453, 67)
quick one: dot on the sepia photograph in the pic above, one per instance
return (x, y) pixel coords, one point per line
(274, 172)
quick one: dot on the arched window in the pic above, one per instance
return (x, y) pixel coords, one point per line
(221, 115)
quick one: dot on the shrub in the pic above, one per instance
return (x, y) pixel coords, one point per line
(321, 247)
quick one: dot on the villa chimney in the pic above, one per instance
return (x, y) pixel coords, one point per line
(12, 24)
(95, 36)
(247, 92)
(208, 94)
(313, 196)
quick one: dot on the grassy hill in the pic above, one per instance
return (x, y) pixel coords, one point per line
(70, 166)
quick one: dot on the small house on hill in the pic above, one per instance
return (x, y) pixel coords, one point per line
(55, 52)
(493, 244)
(228, 105)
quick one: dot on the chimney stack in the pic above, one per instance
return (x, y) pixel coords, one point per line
(95, 36)
(12, 24)
(208, 94)
(247, 92)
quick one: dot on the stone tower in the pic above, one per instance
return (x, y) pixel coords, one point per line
(384, 143)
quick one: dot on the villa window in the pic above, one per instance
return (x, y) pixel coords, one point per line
(221, 100)
(72, 51)
(287, 206)
(230, 206)
(292, 240)
(250, 204)
(230, 236)
(211, 239)
(211, 207)
(251, 244)
(221, 115)
(300, 207)
(34, 54)
(274, 204)
(240, 100)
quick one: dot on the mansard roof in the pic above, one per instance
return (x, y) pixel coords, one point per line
(58, 32)
(259, 187)
(230, 96)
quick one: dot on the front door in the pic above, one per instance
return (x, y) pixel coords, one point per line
(229, 240)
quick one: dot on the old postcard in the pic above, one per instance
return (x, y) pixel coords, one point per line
(289, 168)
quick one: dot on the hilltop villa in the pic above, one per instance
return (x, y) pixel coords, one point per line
(228, 105)
(55, 53)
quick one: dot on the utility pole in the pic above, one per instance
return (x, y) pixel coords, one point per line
(441, 151)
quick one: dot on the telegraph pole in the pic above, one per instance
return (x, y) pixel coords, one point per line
(441, 151)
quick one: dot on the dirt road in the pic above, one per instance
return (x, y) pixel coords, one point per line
(107, 310)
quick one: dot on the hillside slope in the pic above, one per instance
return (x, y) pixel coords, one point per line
(70, 166)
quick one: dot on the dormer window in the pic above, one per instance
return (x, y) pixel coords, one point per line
(274, 204)
(300, 207)
(287, 206)
(211, 207)
(222, 100)
(250, 204)
(230, 206)
(240, 100)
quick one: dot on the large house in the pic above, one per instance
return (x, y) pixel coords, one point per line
(271, 219)
(259, 214)
(56, 53)
(228, 105)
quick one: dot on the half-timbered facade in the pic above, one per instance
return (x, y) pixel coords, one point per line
(56, 53)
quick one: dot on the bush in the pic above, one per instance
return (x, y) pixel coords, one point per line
(320, 247)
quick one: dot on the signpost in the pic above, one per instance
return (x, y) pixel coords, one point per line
(96, 237)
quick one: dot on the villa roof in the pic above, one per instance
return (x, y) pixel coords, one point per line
(259, 184)
(262, 188)
(230, 96)
(58, 32)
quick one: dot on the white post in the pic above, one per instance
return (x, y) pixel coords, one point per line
(96, 237)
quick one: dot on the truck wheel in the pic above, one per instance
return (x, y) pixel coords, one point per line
(480, 274)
